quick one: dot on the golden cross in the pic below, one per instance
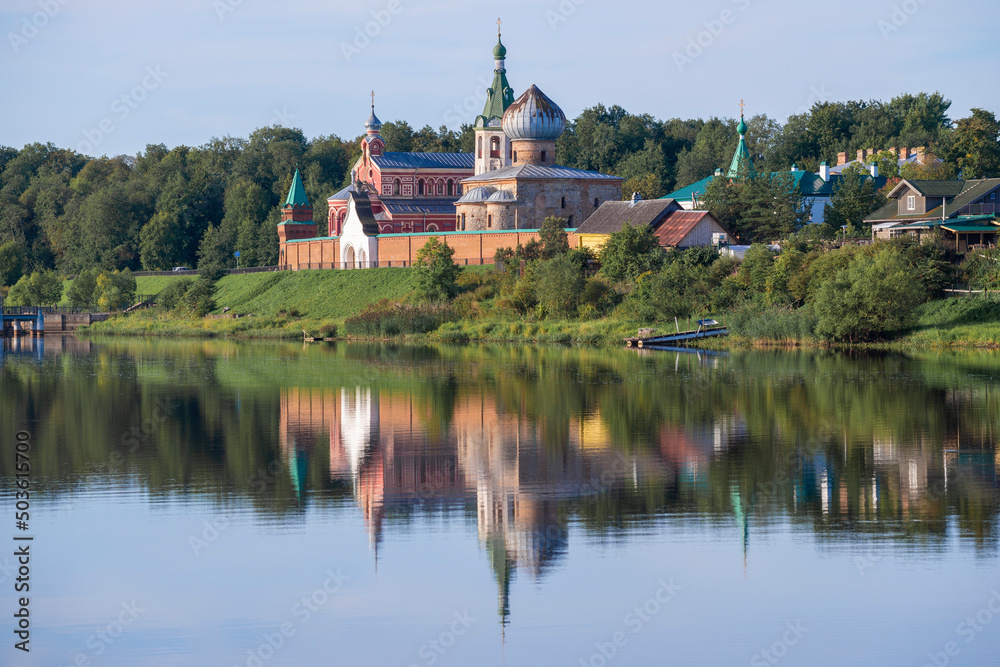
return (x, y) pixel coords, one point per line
(373, 100)
(741, 108)
(498, 26)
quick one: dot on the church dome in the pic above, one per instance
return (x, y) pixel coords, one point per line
(373, 124)
(477, 195)
(499, 51)
(534, 116)
(742, 127)
(502, 196)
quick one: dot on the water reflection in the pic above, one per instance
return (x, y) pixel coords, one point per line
(529, 444)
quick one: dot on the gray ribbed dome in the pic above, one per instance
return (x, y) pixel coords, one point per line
(476, 195)
(503, 196)
(534, 116)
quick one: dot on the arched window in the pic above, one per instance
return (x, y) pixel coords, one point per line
(597, 202)
(395, 187)
(463, 222)
(479, 142)
(440, 188)
(569, 222)
(543, 156)
(495, 147)
(489, 221)
(563, 202)
(432, 227)
(420, 187)
(451, 188)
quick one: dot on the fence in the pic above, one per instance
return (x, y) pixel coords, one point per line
(395, 263)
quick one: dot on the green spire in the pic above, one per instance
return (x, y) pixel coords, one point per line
(500, 95)
(297, 193)
(741, 159)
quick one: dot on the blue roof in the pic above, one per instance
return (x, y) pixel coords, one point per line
(396, 207)
(393, 160)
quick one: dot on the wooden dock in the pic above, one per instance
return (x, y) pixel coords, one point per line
(706, 329)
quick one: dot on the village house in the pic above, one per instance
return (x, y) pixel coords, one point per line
(962, 213)
(673, 226)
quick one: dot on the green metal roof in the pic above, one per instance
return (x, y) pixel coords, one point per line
(685, 194)
(971, 228)
(297, 193)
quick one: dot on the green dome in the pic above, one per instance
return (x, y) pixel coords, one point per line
(499, 51)
(742, 127)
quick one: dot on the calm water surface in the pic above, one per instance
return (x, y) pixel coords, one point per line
(207, 503)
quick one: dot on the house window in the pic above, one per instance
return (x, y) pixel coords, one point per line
(479, 148)
(911, 203)
(993, 196)
(420, 187)
(563, 205)
(451, 188)
(395, 187)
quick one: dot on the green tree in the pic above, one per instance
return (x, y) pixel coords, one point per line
(976, 148)
(647, 185)
(115, 290)
(630, 252)
(873, 296)
(41, 288)
(81, 291)
(11, 263)
(854, 197)
(553, 236)
(162, 242)
(437, 271)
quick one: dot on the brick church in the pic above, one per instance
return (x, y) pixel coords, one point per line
(497, 196)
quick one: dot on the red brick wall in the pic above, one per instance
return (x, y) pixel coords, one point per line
(476, 248)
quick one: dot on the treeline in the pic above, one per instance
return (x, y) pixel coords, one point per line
(191, 206)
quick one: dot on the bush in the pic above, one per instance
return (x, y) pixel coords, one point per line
(438, 272)
(199, 298)
(871, 297)
(597, 298)
(559, 284)
(384, 320)
(170, 298)
(328, 330)
(630, 252)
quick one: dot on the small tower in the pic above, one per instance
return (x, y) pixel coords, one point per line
(374, 144)
(492, 148)
(741, 158)
(296, 214)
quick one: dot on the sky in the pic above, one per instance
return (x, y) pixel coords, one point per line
(108, 77)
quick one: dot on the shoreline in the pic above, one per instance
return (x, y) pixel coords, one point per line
(594, 333)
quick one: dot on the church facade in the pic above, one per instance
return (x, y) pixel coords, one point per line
(496, 197)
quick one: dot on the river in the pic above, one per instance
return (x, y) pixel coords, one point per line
(251, 504)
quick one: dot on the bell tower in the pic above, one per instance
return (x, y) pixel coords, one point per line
(492, 148)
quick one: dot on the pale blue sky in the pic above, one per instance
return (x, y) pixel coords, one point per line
(193, 69)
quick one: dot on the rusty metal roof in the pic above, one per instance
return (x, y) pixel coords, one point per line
(677, 225)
